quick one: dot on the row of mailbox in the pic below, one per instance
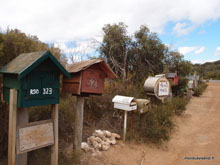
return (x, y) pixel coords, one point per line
(36, 76)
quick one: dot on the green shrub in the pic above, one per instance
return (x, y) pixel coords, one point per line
(200, 89)
(177, 104)
(155, 124)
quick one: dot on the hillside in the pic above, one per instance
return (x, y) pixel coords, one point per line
(208, 70)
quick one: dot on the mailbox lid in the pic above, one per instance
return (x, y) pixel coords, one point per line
(123, 99)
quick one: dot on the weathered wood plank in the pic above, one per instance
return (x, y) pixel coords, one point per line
(12, 127)
(36, 135)
(54, 147)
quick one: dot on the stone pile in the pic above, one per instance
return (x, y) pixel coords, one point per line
(100, 141)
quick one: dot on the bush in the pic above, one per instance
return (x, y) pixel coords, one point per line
(200, 89)
(156, 124)
(177, 104)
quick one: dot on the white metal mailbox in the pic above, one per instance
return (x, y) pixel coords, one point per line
(124, 103)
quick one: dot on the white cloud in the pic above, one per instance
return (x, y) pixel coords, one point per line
(185, 50)
(200, 50)
(182, 29)
(67, 20)
(217, 52)
(202, 61)
(195, 49)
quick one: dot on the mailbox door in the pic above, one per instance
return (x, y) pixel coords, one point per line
(41, 88)
(93, 81)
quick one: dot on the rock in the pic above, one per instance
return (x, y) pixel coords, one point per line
(105, 146)
(117, 136)
(85, 147)
(112, 140)
(98, 139)
(100, 134)
(107, 133)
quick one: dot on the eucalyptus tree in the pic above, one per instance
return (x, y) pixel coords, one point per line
(115, 48)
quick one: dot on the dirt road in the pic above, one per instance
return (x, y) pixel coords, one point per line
(197, 135)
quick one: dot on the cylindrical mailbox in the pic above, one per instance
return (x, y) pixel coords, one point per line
(157, 86)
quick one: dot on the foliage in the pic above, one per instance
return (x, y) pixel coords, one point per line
(137, 57)
(148, 54)
(200, 89)
(115, 48)
(177, 104)
(208, 70)
(179, 89)
(14, 42)
(156, 124)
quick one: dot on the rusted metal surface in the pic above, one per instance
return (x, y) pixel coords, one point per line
(80, 66)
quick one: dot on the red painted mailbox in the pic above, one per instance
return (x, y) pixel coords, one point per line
(173, 78)
(87, 77)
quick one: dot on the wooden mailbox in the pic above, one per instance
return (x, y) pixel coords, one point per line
(87, 77)
(32, 79)
(36, 76)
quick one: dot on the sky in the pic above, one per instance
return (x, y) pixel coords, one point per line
(191, 27)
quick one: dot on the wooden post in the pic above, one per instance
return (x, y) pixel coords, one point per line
(22, 118)
(54, 147)
(12, 127)
(78, 123)
(125, 124)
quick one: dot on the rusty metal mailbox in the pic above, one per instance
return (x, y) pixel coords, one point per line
(36, 76)
(87, 77)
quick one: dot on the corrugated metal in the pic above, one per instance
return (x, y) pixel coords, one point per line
(22, 62)
(80, 66)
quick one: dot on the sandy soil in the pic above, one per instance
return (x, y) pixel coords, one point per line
(197, 134)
